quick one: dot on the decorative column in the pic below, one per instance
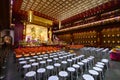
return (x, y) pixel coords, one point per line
(50, 35)
(30, 16)
(59, 24)
(24, 30)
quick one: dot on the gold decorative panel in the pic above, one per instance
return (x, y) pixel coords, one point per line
(38, 20)
(42, 20)
(37, 33)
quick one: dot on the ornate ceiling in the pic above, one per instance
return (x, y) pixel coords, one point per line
(56, 9)
(60, 9)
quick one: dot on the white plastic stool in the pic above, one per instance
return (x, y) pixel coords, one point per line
(100, 72)
(74, 60)
(106, 61)
(21, 59)
(57, 68)
(45, 55)
(53, 78)
(74, 54)
(68, 56)
(27, 58)
(45, 58)
(35, 57)
(64, 58)
(55, 56)
(41, 56)
(42, 64)
(63, 75)
(70, 62)
(55, 60)
(86, 63)
(94, 73)
(103, 64)
(32, 61)
(71, 55)
(39, 59)
(50, 70)
(49, 61)
(35, 66)
(31, 75)
(87, 77)
(21, 63)
(78, 58)
(91, 60)
(64, 65)
(66, 53)
(51, 57)
(41, 74)
(81, 66)
(26, 68)
(71, 72)
(82, 57)
(105, 52)
(59, 55)
(60, 58)
(100, 66)
(77, 69)
(51, 54)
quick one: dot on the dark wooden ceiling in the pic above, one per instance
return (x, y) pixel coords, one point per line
(53, 9)
(62, 10)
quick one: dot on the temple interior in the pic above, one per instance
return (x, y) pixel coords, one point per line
(60, 40)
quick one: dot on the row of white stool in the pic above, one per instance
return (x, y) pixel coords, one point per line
(97, 52)
(71, 57)
(97, 72)
(73, 72)
(75, 69)
(35, 66)
(23, 61)
(88, 62)
(59, 59)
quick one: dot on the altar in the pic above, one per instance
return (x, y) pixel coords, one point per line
(36, 33)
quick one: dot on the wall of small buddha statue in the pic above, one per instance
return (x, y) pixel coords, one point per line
(102, 36)
(104, 31)
(111, 36)
(86, 37)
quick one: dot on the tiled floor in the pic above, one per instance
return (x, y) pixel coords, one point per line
(113, 73)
